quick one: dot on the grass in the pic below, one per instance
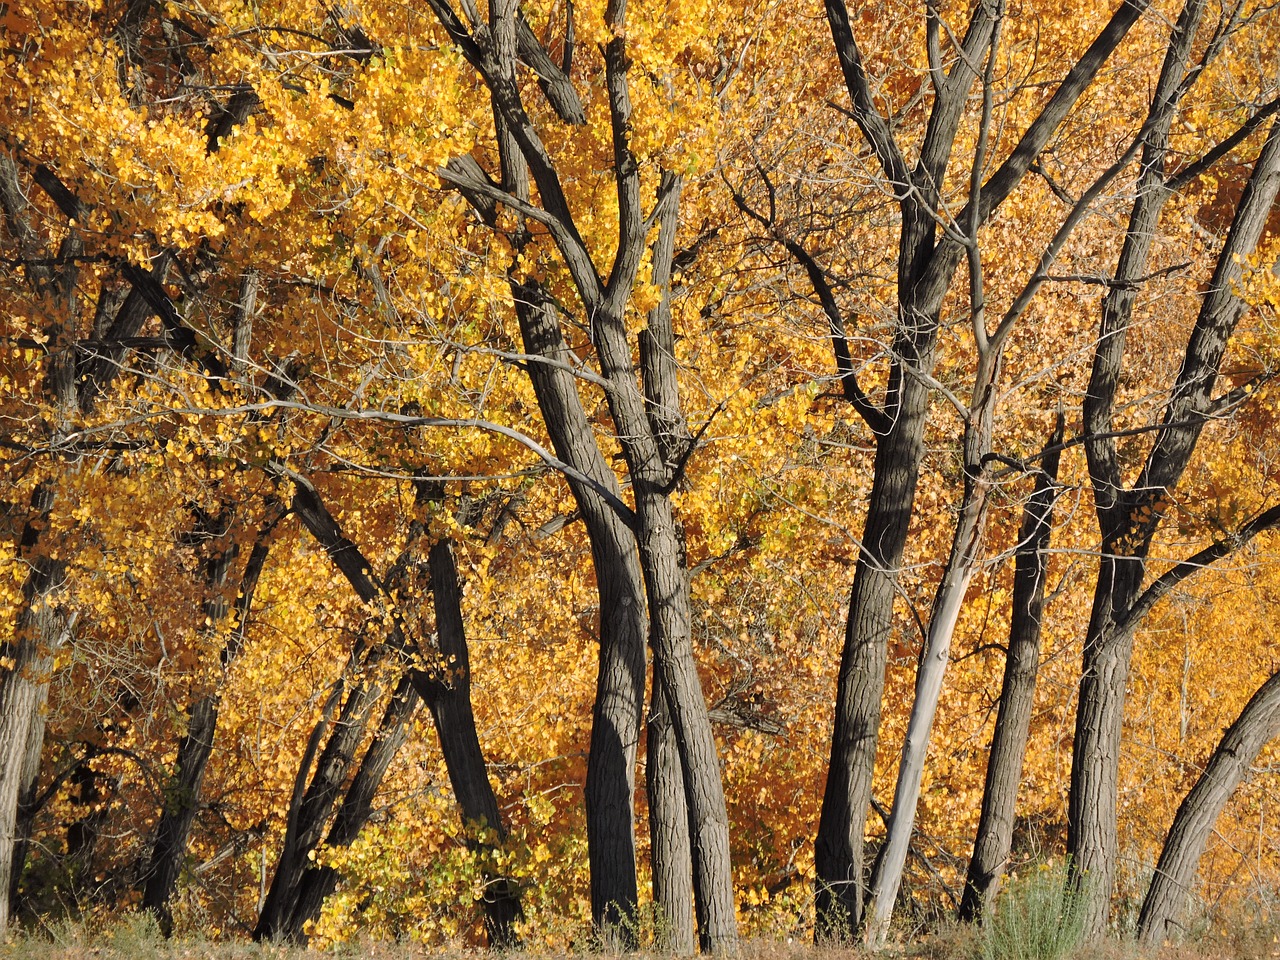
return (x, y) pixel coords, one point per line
(1035, 922)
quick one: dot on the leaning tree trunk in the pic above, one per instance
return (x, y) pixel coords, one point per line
(925, 269)
(318, 882)
(1017, 693)
(966, 549)
(1166, 899)
(446, 690)
(1129, 518)
(182, 794)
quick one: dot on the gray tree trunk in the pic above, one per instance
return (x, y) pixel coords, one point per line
(1171, 886)
(1129, 517)
(668, 832)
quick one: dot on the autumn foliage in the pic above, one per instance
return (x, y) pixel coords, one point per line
(271, 393)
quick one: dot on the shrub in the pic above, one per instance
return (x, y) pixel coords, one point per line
(1036, 918)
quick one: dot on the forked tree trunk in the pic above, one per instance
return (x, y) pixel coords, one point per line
(1171, 886)
(925, 267)
(1129, 517)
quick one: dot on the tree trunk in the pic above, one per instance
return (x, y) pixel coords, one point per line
(1129, 517)
(838, 851)
(311, 807)
(1017, 694)
(446, 689)
(966, 547)
(319, 882)
(1170, 890)
(667, 585)
(615, 728)
(40, 631)
(182, 793)
(669, 853)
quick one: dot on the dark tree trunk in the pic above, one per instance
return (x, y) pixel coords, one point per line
(357, 806)
(642, 426)
(925, 268)
(669, 854)
(1017, 693)
(182, 793)
(446, 689)
(1129, 517)
(313, 801)
(615, 729)
(838, 852)
(1170, 890)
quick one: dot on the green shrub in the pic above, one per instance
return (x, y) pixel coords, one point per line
(1037, 917)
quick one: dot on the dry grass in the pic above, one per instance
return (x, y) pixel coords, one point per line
(136, 938)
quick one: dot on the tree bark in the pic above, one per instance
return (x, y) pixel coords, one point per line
(1129, 517)
(1170, 889)
(1017, 693)
(925, 268)
(318, 882)
(838, 852)
(669, 854)
(24, 687)
(615, 727)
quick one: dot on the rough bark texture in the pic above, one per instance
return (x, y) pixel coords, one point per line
(860, 684)
(643, 427)
(615, 728)
(1017, 694)
(668, 832)
(1129, 517)
(925, 269)
(1171, 887)
(41, 630)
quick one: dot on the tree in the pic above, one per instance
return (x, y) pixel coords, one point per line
(994, 841)
(929, 253)
(1175, 872)
(649, 424)
(1129, 516)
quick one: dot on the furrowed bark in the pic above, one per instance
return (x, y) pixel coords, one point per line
(926, 265)
(668, 832)
(1129, 519)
